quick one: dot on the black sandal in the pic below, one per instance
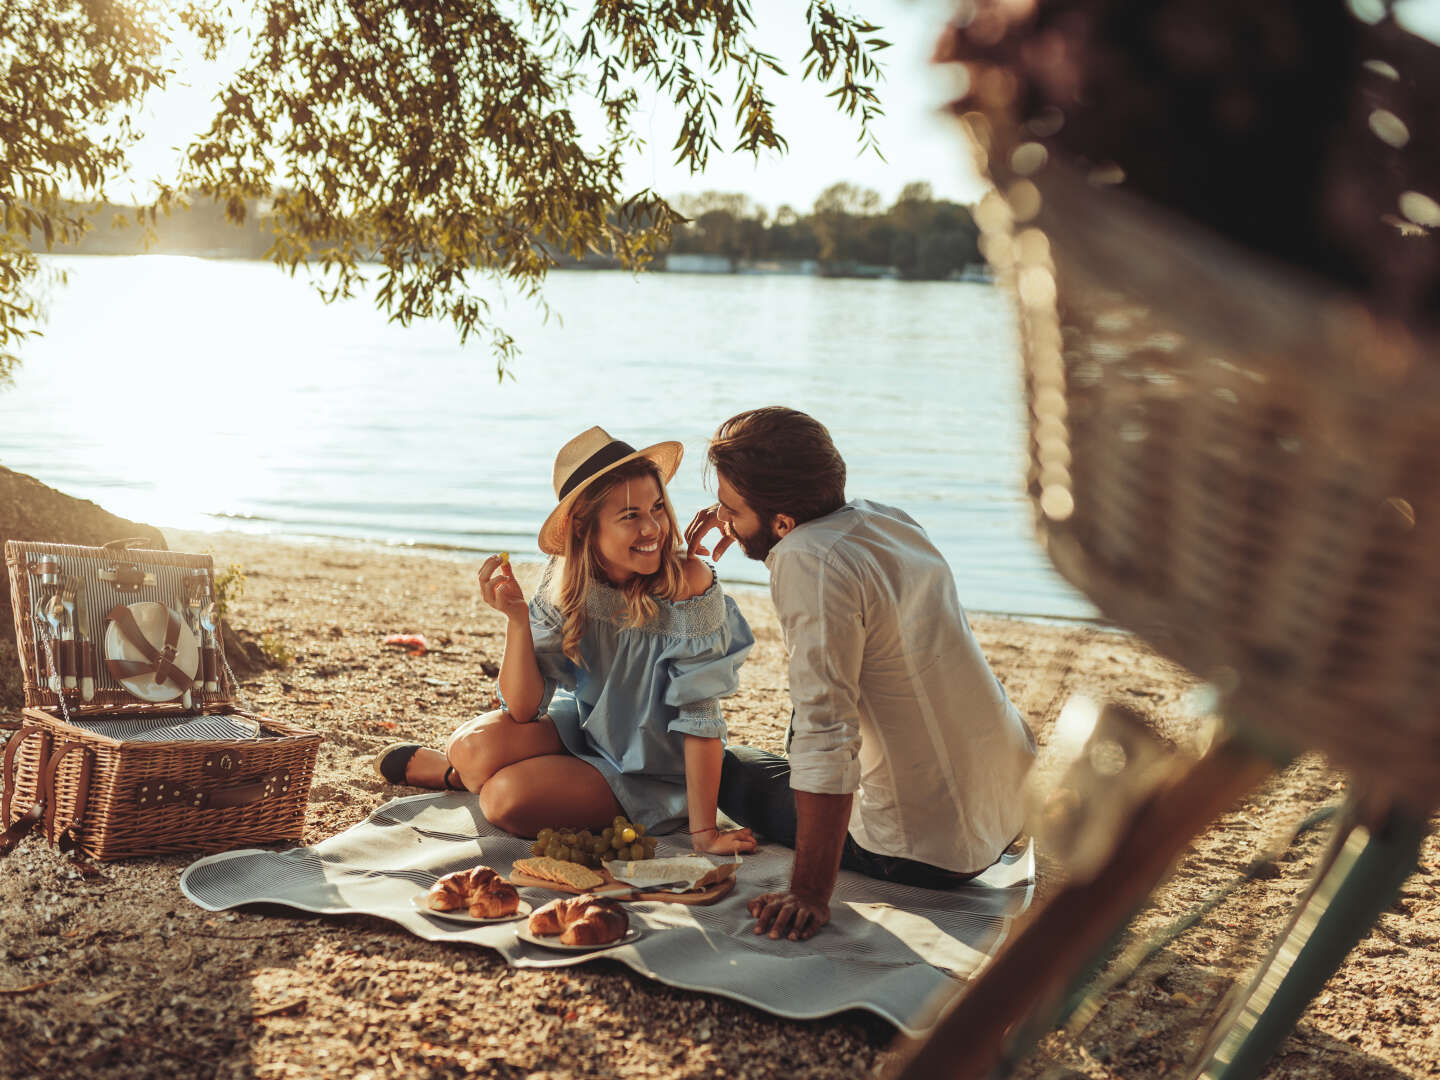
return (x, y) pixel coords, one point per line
(392, 762)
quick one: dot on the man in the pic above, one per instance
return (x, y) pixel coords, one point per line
(905, 758)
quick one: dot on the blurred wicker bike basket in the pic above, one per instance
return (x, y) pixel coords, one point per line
(1240, 468)
(1235, 425)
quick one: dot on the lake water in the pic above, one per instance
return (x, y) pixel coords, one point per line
(225, 395)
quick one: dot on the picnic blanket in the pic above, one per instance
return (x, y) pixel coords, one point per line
(898, 951)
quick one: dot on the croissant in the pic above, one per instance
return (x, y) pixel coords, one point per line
(447, 894)
(494, 899)
(480, 889)
(581, 920)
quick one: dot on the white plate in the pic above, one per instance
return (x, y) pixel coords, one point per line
(524, 934)
(151, 618)
(418, 902)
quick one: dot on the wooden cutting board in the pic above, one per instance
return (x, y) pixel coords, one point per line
(707, 895)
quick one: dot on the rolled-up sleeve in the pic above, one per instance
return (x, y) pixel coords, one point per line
(819, 605)
(705, 668)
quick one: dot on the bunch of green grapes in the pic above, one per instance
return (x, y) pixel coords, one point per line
(627, 840)
(578, 847)
(621, 839)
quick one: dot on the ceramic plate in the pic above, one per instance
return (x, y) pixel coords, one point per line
(524, 934)
(151, 618)
(418, 903)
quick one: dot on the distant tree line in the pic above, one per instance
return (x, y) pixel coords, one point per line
(848, 231)
(202, 227)
(920, 237)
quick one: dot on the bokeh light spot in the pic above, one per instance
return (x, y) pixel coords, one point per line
(1107, 175)
(1389, 128)
(1057, 503)
(1420, 208)
(1028, 158)
(1368, 11)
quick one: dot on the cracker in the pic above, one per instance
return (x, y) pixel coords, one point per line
(570, 874)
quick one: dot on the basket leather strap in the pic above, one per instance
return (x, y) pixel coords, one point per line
(161, 661)
(23, 824)
(68, 837)
(7, 780)
(176, 793)
(13, 834)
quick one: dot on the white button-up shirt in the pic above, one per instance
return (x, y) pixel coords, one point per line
(893, 699)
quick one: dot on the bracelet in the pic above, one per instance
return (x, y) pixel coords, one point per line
(702, 832)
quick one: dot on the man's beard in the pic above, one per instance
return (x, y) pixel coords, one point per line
(757, 545)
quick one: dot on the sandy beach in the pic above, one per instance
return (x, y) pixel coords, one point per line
(106, 970)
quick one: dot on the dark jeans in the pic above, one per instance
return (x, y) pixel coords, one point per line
(755, 791)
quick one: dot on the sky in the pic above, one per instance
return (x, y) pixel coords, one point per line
(917, 141)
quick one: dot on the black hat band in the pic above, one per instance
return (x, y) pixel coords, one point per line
(602, 459)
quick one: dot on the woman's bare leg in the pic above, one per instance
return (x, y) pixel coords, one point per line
(481, 747)
(550, 791)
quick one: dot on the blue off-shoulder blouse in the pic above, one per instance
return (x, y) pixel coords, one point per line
(642, 689)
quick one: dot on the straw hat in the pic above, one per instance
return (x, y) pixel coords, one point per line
(589, 455)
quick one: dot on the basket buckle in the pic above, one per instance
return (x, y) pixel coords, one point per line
(221, 763)
(125, 577)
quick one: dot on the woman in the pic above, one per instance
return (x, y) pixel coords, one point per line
(612, 674)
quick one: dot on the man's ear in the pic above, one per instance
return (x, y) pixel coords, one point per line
(782, 524)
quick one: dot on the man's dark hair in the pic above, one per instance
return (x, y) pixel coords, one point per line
(781, 461)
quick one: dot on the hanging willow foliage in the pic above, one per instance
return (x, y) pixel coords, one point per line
(434, 138)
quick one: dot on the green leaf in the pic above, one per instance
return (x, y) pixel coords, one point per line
(433, 137)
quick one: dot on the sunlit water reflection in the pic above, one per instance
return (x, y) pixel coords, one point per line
(223, 394)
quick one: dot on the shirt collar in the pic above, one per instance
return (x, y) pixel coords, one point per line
(770, 556)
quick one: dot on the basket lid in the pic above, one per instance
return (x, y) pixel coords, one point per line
(116, 629)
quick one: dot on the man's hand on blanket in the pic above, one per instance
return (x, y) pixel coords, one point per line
(723, 841)
(701, 524)
(788, 914)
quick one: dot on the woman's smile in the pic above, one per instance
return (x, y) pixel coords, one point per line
(633, 527)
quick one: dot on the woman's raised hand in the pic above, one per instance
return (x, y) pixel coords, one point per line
(500, 590)
(723, 841)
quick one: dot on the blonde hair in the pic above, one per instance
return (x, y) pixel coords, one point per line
(580, 568)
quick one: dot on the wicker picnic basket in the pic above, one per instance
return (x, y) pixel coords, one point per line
(112, 774)
(1236, 457)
